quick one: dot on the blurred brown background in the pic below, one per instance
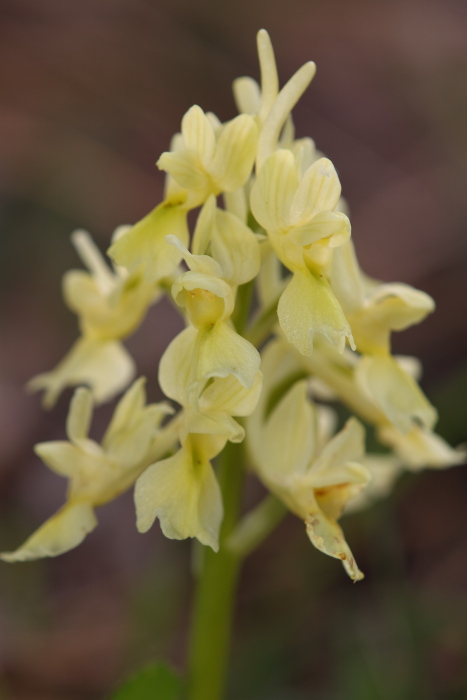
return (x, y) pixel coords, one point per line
(90, 94)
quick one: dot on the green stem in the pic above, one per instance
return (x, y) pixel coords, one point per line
(242, 306)
(215, 593)
(256, 525)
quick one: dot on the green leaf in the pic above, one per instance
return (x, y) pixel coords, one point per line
(155, 682)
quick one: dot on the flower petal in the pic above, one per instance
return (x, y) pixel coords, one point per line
(235, 153)
(398, 306)
(60, 456)
(308, 307)
(213, 423)
(235, 247)
(330, 225)
(63, 531)
(346, 278)
(198, 135)
(223, 352)
(175, 367)
(385, 470)
(103, 365)
(127, 409)
(327, 536)
(336, 463)
(273, 191)
(133, 427)
(144, 246)
(202, 264)
(203, 228)
(182, 491)
(186, 169)
(394, 392)
(289, 436)
(422, 448)
(230, 396)
(319, 191)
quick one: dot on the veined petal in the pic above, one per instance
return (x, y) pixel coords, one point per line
(326, 224)
(394, 392)
(228, 395)
(273, 191)
(186, 169)
(175, 367)
(336, 463)
(235, 153)
(63, 531)
(198, 135)
(327, 536)
(308, 307)
(182, 491)
(144, 246)
(289, 436)
(319, 191)
(305, 153)
(235, 247)
(422, 448)
(103, 365)
(223, 352)
(79, 415)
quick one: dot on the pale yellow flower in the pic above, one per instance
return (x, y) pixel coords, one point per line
(103, 365)
(97, 473)
(211, 160)
(217, 350)
(143, 249)
(299, 214)
(182, 491)
(110, 304)
(295, 454)
(374, 309)
(421, 448)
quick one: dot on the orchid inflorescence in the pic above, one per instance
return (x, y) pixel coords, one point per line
(281, 323)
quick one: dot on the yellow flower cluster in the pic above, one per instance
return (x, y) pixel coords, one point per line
(270, 219)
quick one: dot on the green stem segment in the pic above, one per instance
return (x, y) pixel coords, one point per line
(215, 594)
